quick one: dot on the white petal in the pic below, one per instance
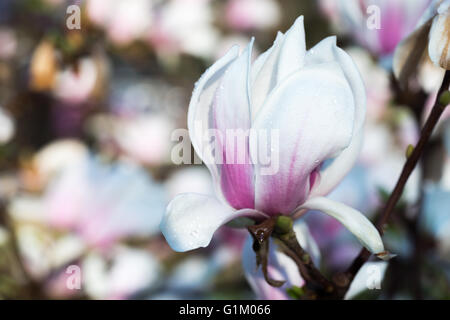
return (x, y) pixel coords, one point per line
(264, 75)
(200, 109)
(369, 277)
(286, 56)
(325, 51)
(439, 41)
(352, 219)
(313, 112)
(340, 167)
(231, 111)
(191, 220)
(293, 50)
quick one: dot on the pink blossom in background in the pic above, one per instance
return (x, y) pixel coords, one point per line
(184, 26)
(75, 86)
(252, 14)
(398, 19)
(8, 43)
(124, 21)
(147, 139)
(104, 202)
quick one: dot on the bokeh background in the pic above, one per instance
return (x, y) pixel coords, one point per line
(86, 122)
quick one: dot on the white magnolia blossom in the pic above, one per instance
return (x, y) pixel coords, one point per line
(315, 99)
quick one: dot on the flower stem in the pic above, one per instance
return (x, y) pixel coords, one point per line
(314, 279)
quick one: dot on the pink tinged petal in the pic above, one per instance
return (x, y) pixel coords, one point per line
(352, 219)
(393, 20)
(200, 111)
(439, 41)
(327, 51)
(231, 115)
(263, 78)
(191, 220)
(313, 112)
(293, 50)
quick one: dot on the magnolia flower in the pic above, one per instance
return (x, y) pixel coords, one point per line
(315, 100)
(431, 35)
(280, 267)
(359, 19)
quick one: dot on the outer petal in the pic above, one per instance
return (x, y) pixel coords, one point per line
(200, 110)
(352, 219)
(326, 51)
(313, 111)
(439, 40)
(264, 76)
(191, 220)
(286, 56)
(338, 169)
(293, 50)
(231, 114)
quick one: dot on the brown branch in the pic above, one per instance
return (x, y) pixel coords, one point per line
(317, 286)
(261, 238)
(408, 168)
(314, 279)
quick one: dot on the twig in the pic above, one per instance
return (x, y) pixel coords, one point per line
(408, 168)
(312, 276)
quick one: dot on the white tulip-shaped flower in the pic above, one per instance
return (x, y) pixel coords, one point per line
(315, 101)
